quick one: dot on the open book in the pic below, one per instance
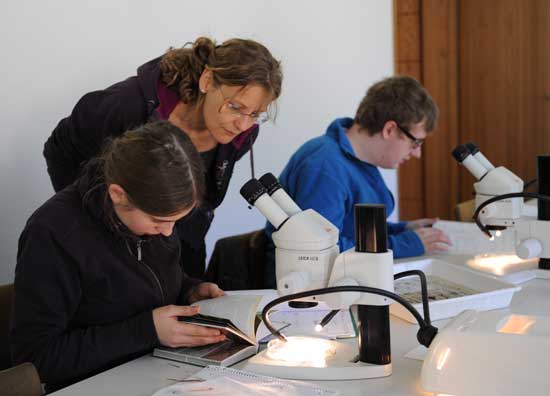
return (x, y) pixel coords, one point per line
(300, 321)
(235, 315)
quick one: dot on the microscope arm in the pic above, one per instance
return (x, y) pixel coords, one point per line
(503, 222)
(425, 334)
(531, 233)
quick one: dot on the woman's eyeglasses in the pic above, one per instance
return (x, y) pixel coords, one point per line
(235, 111)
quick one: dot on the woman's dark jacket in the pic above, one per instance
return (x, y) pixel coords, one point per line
(85, 287)
(100, 115)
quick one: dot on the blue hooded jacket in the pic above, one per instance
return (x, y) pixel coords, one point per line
(325, 175)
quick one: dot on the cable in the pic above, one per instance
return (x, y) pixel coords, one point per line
(252, 161)
(423, 288)
(425, 334)
(482, 227)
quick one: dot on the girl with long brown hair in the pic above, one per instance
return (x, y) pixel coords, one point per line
(99, 279)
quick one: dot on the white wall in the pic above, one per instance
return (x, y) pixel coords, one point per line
(55, 51)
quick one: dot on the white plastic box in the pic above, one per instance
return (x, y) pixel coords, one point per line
(491, 293)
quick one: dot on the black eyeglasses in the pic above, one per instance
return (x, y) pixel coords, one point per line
(416, 143)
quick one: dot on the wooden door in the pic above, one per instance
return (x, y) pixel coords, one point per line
(487, 65)
(504, 83)
(428, 187)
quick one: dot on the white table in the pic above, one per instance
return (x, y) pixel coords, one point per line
(145, 375)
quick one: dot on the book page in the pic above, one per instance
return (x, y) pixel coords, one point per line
(240, 310)
(468, 239)
(302, 323)
(267, 295)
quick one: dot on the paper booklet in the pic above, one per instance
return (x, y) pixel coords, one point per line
(467, 239)
(222, 381)
(236, 316)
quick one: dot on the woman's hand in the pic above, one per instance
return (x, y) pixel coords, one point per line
(203, 291)
(174, 334)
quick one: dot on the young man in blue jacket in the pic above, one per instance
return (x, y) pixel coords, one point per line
(333, 172)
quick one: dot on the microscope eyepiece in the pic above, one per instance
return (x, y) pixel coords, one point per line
(270, 182)
(461, 152)
(477, 164)
(256, 195)
(279, 195)
(252, 190)
(474, 149)
(473, 159)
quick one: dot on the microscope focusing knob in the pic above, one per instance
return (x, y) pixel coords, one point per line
(529, 248)
(293, 282)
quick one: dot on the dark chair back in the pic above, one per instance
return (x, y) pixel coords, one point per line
(6, 298)
(237, 262)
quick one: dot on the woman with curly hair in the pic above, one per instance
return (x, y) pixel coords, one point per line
(218, 95)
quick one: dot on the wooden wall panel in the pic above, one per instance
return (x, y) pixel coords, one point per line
(404, 7)
(427, 187)
(487, 65)
(408, 62)
(408, 39)
(439, 60)
(542, 68)
(504, 59)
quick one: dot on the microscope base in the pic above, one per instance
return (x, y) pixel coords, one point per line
(340, 366)
(542, 274)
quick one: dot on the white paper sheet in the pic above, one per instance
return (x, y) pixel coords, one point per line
(300, 322)
(467, 239)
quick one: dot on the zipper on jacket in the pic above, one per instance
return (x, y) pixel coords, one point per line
(155, 277)
(139, 249)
